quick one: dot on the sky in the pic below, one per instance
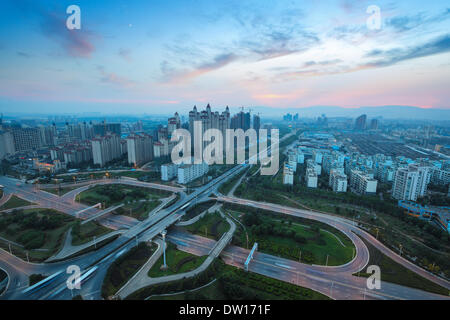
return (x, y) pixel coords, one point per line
(148, 56)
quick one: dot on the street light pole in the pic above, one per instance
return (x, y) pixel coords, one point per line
(326, 264)
(163, 233)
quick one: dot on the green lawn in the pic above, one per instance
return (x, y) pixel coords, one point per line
(84, 233)
(393, 272)
(39, 231)
(177, 261)
(119, 193)
(227, 186)
(139, 209)
(211, 225)
(418, 237)
(125, 267)
(15, 202)
(231, 284)
(291, 237)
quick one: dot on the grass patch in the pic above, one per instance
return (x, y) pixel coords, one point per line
(114, 194)
(289, 237)
(139, 209)
(211, 225)
(40, 232)
(83, 233)
(177, 261)
(393, 272)
(125, 267)
(231, 284)
(15, 202)
(427, 245)
(226, 187)
(92, 247)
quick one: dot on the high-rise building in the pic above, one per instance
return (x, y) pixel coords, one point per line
(360, 123)
(173, 124)
(362, 182)
(140, 149)
(374, 124)
(77, 155)
(288, 174)
(311, 178)
(26, 139)
(6, 144)
(256, 123)
(102, 129)
(411, 182)
(338, 180)
(106, 149)
(440, 176)
(47, 135)
(209, 120)
(311, 164)
(241, 120)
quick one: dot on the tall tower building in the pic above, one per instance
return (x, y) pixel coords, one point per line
(210, 120)
(139, 148)
(360, 123)
(6, 144)
(106, 149)
(26, 139)
(173, 124)
(256, 122)
(411, 183)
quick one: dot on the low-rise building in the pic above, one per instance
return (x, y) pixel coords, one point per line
(189, 172)
(168, 171)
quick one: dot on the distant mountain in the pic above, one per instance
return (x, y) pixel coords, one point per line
(387, 112)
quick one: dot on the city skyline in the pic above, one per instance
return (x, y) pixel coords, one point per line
(150, 57)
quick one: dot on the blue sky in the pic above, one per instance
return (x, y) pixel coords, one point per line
(143, 56)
